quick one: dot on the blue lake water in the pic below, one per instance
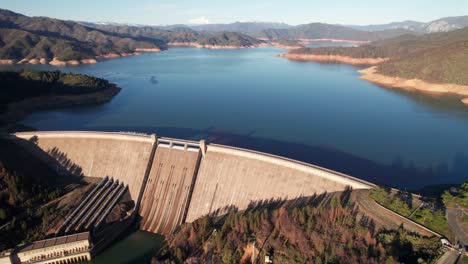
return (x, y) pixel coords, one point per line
(135, 247)
(318, 113)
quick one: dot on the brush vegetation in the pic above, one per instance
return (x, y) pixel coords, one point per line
(436, 57)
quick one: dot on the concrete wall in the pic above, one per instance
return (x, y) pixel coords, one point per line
(169, 186)
(123, 157)
(236, 177)
(174, 185)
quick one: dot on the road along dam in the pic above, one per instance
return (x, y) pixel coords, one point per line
(174, 181)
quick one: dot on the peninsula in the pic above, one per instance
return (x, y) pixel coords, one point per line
(26, 91)
(431, 63)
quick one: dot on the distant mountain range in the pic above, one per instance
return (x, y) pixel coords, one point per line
(327, 31)
(180, 35)
(42, 39)
(254, 28)
(440, 25)
(241, 27)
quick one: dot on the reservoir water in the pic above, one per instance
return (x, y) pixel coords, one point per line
(318, 113)
(134, 247)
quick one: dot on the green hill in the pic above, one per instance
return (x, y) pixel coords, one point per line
(437, 57)
(24, 84)
(229, 39)
(27, 91)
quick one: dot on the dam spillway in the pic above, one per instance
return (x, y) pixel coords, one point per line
(169, 185)
(175, 181)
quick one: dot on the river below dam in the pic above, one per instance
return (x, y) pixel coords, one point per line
(318, 113)
(134, 247)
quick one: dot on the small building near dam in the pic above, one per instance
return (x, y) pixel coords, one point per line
(65, 249)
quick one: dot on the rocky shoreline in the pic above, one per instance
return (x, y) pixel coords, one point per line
(333, 58)
(334, 40)
(286, 47)
(96, 59)
(371, 75)
(202, 46)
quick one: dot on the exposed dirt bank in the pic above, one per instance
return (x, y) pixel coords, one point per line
(56, 62)
(333, 58)
(96, 59)
(286, 47)
(371, 75)
(148, 50)
(201, 46)
(7, 62)
(334, 40)
(18, 110)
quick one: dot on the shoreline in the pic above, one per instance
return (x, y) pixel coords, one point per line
(305, 40)
(18, 110)
(370, 74)
(203, 46)
(335, 40)
(286, 47)
(96, 59)
(333, 59)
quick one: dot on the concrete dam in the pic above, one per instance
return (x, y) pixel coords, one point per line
(175, 181)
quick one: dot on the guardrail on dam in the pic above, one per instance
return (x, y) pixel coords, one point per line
(175, 181)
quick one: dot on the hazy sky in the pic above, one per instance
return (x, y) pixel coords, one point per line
(160, 12)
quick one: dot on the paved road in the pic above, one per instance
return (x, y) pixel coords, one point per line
(456, 226)
(382, 216)
(450, 257)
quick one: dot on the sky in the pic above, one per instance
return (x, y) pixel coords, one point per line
(294, 12)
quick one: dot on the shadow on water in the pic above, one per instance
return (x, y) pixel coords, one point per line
(448, 104)
(400, 173)
(133, 247)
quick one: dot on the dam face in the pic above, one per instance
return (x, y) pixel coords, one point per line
(176, 181)
(169, 186)
(232, 177)
(123, 157)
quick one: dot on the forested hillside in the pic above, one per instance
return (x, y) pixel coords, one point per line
(27, 83)
(322, 229)
(30, 192)
(41, 37)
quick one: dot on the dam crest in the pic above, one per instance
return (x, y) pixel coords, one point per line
(174, 181)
